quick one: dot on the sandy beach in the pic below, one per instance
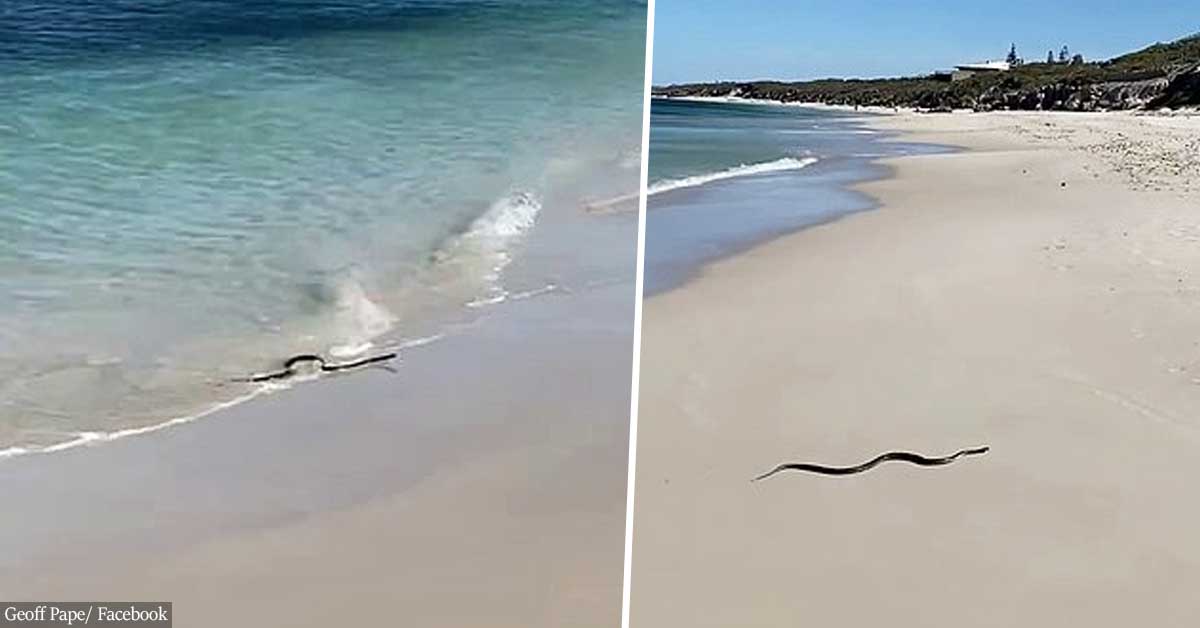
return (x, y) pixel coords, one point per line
(482, 483)
(1035, 293)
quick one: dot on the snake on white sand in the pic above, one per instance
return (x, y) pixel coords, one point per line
(289, 366)
(900, 456)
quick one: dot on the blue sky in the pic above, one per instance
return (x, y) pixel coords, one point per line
(703, 40)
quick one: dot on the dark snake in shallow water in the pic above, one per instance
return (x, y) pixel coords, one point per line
(901, 456)
(289, 367)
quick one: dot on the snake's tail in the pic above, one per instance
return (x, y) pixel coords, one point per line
(767, 474)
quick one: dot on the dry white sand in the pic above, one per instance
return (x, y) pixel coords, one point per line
(985, 303)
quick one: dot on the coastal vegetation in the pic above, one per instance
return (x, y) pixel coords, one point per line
(1161, 75)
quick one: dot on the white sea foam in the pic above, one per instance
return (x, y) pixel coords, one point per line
(504, 295)
(613, 204)
(820, 131)
(357, 319)
(492, 235)
(498, 296)
(79, 439)
(744, 170)
(13, 451)
(419, 342)
(507, 218)
(351, 349)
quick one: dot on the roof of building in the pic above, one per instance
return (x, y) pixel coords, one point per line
(986, 66)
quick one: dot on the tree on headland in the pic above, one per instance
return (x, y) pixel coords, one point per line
(1064, 55)
(1077, 59)
(1012, 57)
(1050, 57)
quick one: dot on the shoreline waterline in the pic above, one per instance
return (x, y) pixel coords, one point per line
(699, 219)
(331, 449)
(89, 439)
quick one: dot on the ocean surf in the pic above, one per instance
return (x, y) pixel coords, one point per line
(192, 192)
(727, 175)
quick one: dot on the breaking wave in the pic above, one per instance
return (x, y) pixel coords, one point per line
(744, 170)
(507, 218)
(667, 185)
(357, 319)
(490, 237)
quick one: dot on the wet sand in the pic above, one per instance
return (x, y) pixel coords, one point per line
(1036, 294)
(480, 484)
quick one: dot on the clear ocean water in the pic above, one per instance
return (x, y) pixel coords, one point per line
(192, 190)
(724, 176)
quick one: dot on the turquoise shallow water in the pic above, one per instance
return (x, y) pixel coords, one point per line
(725, 176)
(691, 139)
(191, 190)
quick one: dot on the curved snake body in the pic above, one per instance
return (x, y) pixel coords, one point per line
(289, 366)
(900, 456)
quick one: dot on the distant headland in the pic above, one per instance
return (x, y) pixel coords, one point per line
(1159, 76)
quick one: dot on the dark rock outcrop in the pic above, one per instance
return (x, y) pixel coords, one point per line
(1183, 90)
(1109, 95)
